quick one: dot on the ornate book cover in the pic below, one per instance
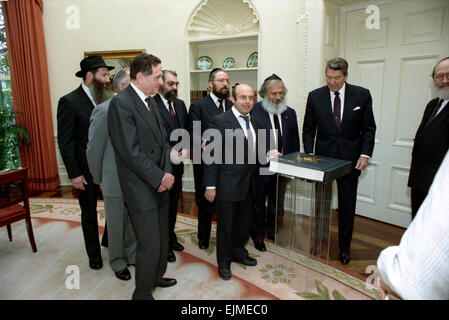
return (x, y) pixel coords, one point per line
(311, 167)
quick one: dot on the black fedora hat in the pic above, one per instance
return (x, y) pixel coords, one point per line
(90, 63)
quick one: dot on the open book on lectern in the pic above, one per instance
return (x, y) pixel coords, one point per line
(311, 167)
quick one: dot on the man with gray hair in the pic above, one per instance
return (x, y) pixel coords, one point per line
(339, 123)
(281, 137)
(102, 165)
(432, 138)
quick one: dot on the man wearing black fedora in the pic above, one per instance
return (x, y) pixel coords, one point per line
(74, 110)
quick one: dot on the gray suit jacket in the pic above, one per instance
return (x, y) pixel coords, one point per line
(141, 149)
(100, 153)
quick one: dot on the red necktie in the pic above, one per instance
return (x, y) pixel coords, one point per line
(337, 107)
(170, 106)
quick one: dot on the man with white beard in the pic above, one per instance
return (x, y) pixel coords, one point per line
(431, 139)
(282, 137)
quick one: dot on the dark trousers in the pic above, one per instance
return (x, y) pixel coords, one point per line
(347, 199)
(266, 189)
(417, 197)
(173, 205)
(89, 222)
(233, 228)
(205, 208)
(151, 230)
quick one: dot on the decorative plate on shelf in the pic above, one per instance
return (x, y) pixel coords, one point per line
(229, 63)
(252, 60)
(204, 63)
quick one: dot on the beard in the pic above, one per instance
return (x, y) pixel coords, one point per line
(100, 91)
(223, 93)
(443, 93)
(272, 107)
(171, 95)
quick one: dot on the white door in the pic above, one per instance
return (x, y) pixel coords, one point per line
(395, 63)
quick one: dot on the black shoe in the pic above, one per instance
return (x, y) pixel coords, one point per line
(166, 282)
(225, 273)
(123, 274)
(203, 244)
(177, 246)
(95, 263)
(248, 261)
(260, 245)
(171, 256)
(345, 258)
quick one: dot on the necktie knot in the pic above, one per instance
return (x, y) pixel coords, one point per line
(337, 93)
(246, 118)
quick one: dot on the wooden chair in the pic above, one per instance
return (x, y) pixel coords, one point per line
(14, 191)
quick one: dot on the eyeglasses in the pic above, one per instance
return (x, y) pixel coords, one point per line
(440, 76)
(223, 81)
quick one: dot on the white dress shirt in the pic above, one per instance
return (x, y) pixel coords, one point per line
(141, 95)
(419, 267)
(444, 104)
(342, 99)
(242, 123)
(86, 89)
(165, 101)
(215, 99)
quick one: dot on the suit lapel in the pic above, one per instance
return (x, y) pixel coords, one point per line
(440, 117)
(147, 116)
(179, 113)
(85, 100)
(164, 112)
(349, 104)
(327, 107)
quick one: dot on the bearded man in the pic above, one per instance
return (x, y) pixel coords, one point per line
(175, 116)
(73, 120)
(282, 137)
(200, 113)
(431, 139)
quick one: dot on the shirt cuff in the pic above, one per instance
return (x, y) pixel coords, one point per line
(211, 188)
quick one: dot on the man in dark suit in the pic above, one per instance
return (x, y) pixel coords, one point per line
(200, 113)
(73, 116)
(230, 179)
(340, 117)
(174, 116)
(431, 139)
(281, 137)
(142, 154)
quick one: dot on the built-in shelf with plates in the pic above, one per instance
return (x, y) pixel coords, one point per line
(223, 43)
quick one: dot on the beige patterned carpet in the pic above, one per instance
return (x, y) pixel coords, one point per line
(50, 273)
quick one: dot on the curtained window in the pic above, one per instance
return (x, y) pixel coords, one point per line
(30, 90)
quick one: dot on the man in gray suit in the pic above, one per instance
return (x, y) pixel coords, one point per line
(101, 161)
(142, 154)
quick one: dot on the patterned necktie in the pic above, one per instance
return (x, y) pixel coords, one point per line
(337, 107)
(434, 112)
(170, 107)
(278, 132)
(220, 105)
(150, 106)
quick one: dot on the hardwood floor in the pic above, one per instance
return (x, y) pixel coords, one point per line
(370, 237)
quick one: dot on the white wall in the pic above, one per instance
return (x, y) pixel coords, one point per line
(159, 27)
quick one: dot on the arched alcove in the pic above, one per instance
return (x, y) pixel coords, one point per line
(222, 18)
(222, 30)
